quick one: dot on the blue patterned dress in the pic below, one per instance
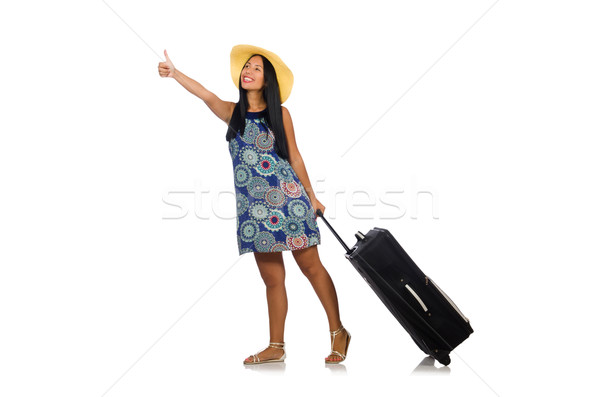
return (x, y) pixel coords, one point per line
(274, 212)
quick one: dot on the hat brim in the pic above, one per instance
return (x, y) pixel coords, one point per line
(242, 52)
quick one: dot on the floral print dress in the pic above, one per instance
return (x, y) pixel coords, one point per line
(274, 212)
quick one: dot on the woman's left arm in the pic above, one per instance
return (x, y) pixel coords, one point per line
(296, 161)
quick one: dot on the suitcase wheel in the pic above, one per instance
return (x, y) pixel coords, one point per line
(443, 357)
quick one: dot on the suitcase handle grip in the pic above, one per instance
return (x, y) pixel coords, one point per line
(348, 250)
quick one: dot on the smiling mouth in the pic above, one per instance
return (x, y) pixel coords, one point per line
(247, 80)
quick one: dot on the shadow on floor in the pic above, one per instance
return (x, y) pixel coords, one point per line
(427, 367)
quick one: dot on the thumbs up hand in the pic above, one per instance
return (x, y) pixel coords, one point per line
(166, 69)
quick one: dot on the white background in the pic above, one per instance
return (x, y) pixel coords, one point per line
(105, 289)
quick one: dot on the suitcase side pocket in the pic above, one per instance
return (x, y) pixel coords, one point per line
(449, 301)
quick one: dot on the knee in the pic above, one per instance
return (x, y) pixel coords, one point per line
(273, 277)
(271, 268)
(310, 269)
(273, 280)
(308, 261)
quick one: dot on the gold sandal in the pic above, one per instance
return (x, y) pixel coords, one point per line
(275, 345)
(343, 356)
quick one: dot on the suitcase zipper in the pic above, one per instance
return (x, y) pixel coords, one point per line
(449, 301)
(416, 297)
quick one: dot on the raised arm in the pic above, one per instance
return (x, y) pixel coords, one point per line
(222, 109)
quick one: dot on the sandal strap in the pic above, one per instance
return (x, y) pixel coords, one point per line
(333, 352)
(334, 333)
(274, 345)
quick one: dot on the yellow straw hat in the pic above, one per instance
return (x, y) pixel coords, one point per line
(242, 52)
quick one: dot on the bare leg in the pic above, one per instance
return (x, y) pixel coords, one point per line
(272, 271)
(310, 264)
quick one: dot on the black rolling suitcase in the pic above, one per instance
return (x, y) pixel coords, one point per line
(430, 317)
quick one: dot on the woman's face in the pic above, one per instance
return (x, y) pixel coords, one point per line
(252, 75)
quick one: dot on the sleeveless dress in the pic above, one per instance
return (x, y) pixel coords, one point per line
(274, 212)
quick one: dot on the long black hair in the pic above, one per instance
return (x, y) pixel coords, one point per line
(274, 118)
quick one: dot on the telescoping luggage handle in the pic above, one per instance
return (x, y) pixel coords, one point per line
(358, 235)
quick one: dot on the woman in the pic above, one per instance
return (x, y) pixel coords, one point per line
(275, 201)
